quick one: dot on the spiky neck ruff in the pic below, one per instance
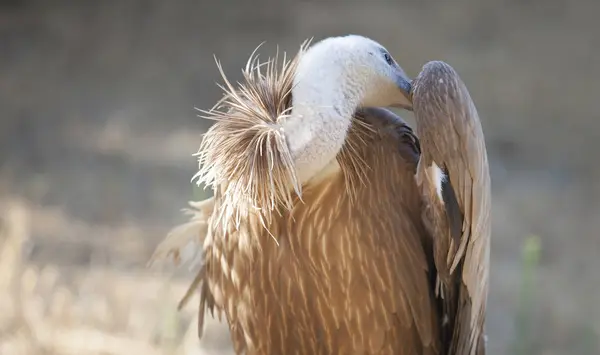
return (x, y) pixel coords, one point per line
(276, 130)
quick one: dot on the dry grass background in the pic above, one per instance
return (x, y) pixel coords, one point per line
(98, 127)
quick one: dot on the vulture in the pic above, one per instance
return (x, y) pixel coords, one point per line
(334, 228)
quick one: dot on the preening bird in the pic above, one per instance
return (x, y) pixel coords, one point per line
(333, 229)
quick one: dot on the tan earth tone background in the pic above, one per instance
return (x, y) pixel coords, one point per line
(97, 128)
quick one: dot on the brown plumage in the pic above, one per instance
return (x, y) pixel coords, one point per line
(368, 258)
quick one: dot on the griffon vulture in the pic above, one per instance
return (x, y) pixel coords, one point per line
(333, 229)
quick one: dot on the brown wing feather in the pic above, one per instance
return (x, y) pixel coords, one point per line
(452, 138)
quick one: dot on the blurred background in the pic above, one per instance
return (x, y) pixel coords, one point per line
(97, 129)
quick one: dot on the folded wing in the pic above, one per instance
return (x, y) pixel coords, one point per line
(453, 175)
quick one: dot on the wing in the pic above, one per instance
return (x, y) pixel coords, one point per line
(453, 174)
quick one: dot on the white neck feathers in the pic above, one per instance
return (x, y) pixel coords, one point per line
(324, 101)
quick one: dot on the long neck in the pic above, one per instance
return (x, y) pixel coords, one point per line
(319, 122)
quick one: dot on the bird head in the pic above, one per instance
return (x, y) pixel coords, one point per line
(369, 73)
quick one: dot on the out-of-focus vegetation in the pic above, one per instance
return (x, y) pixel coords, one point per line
(97, 128)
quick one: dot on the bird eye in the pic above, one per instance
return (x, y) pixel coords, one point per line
(388, 58)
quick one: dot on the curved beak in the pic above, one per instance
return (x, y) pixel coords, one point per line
(405, 86)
